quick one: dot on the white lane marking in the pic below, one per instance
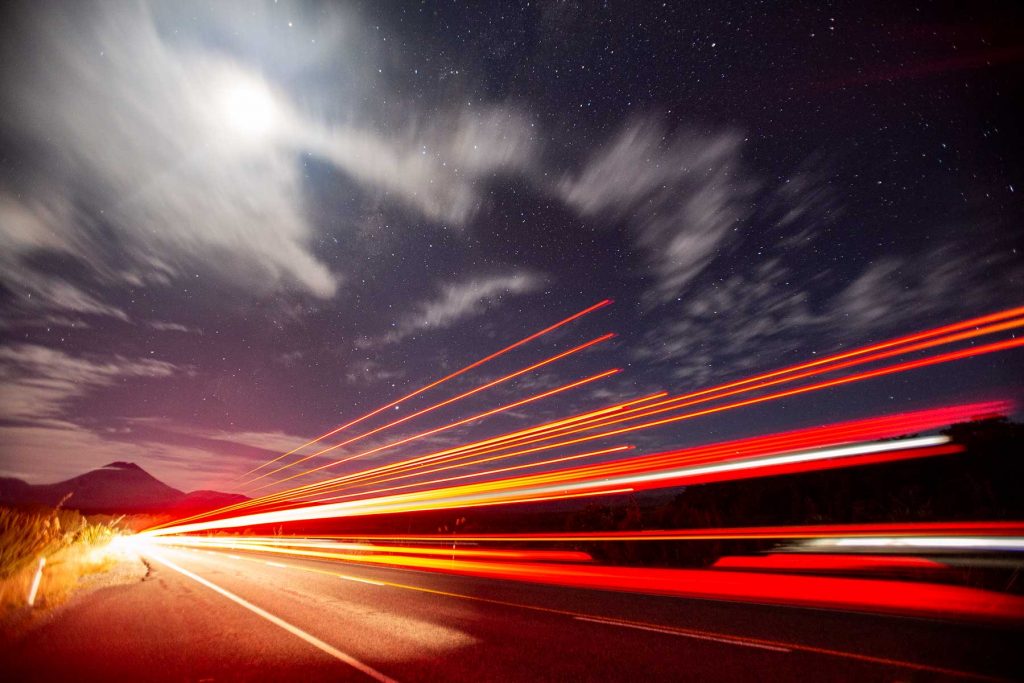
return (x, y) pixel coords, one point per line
(684, 634)
(355, 578)
(346, 577)
(277, 621)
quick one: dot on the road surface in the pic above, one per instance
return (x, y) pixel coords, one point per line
(220, 616)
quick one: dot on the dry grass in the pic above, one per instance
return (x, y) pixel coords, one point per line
(72, 545)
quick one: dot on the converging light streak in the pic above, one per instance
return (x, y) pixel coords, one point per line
(674, 403)
(683, 474)
(873, 428)
(803, 531)
(314, 548)
(805, 438)
(559, 483)
(889, 344)
(868, 429)
(858, 377)
(477, 448)
(473, 475)
(438, 382)
(452, 425)
(446, 402)
(597, 422)
(458, 453)
(857, 594)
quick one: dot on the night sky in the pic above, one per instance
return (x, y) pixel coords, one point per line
(228, 227)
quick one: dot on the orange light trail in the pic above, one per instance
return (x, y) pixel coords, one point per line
(802, 531)
(873, 428)
(878, 372)
(675, 403)
(471, 475)
(899, 341)
(315, 548)
(661, 407)
(554, 430)
(451, 425)
(645, 472)
(477, 448)
(446, 402)
(845, 432)
(438, 382)
(870, 374)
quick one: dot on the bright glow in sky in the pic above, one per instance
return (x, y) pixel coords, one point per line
(249, 108)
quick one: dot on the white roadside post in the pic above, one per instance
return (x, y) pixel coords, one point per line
(35, 582)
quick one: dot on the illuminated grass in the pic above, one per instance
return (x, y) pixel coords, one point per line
(72, 545)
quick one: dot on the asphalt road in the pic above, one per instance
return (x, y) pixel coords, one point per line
(217, 616)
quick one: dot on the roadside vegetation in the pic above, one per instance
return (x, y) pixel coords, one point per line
(73, 546)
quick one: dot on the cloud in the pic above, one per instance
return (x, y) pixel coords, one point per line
(369, 372)
(681, 195)
(895, 289)
(131, 124)
(276, 442)
(460, 300)
(28, 226)
(747, 321)
(47, 321)
(437, 168)
(806, 196)
(756, 320)
(38, 383)
(136, 140)
(164, 326)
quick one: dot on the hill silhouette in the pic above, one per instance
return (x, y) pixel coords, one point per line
(118, 487)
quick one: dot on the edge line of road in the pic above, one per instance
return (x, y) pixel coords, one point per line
(279, 622)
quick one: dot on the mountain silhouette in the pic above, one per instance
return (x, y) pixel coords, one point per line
(118, 487)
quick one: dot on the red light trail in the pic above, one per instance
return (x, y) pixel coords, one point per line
(467, 450)
(802, 531)
(405, 485)
(656, 470)
(931, 336)
(858, 594)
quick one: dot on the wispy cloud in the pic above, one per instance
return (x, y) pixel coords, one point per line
(805, 196)
(37, 383)
(165, 326)
(437, 168)
(681, 195)
(757, 319)
(464, 299)
(44, 223)
(369, 372)
(744, 322)
(135, 140)
(895, 289)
